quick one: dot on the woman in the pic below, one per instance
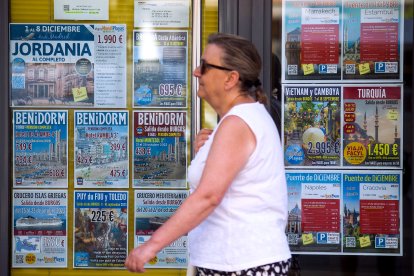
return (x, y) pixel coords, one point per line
(237, 211)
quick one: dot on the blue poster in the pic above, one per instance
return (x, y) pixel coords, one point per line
(40, 150)
(100, 236)
(160, 69)
(101, 149)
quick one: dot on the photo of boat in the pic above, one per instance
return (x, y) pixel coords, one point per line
(30, 221)
(156, 222)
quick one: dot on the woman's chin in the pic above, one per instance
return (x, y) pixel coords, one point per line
(200, 93)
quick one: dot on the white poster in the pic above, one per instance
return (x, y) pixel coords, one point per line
(161, 13)
(82, 9)
(40, 228)
(68, 65)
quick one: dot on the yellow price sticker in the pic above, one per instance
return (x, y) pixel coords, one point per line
(364, 68)
(307, 69)
(79, 94)
(392, 115)
(153, 261)
(364, 241)
(30, 258)
(355, 153)
(307, 238)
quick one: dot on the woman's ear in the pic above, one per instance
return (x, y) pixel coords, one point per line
(232, 80)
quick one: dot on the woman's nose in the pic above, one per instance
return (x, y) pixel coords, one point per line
(197, 72)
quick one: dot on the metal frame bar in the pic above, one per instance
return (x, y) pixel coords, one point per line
(195, 60)
(251, 19)
(4, 142)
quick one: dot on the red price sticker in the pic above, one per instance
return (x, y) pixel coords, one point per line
(350, 107)
(349, 117)
(349, 128)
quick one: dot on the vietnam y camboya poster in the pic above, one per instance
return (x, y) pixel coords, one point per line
(372, 212)
(68, 65)
(311, 40)
(152, 209)
(40, 148)
(373, 33)
(100, 235)
(39, 236)
(160, 149)
(101, 149)
(373, 121)
(311, 125)
(314, 223)
(160, 69)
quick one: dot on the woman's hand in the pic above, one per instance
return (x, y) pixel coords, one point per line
(138, 257)
(201, 138)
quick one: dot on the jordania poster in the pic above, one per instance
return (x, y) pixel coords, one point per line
(160, 69)
(100, 235)
(152, 209)
(101, 149)
(160, 149)
(68, 65)
(40, 139)
(40, 228)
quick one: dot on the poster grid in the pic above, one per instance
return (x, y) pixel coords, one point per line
(94, 55)
(366, 119)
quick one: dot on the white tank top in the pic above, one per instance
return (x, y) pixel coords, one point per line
(247, 229)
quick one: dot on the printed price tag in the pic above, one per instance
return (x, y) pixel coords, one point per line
(307, 69)
(79, 94)
(307, 238)
(364, 68)
(364, 241)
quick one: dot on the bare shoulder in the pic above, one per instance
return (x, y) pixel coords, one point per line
(234, 123)
(234, 132)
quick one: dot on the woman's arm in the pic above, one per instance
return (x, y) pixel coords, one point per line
(233, 143)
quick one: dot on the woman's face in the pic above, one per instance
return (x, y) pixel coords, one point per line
(211, 82)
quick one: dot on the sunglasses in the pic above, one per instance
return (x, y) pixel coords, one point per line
(204, 65)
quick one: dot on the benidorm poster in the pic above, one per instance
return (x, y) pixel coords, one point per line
(40, 149)
(101, 156)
